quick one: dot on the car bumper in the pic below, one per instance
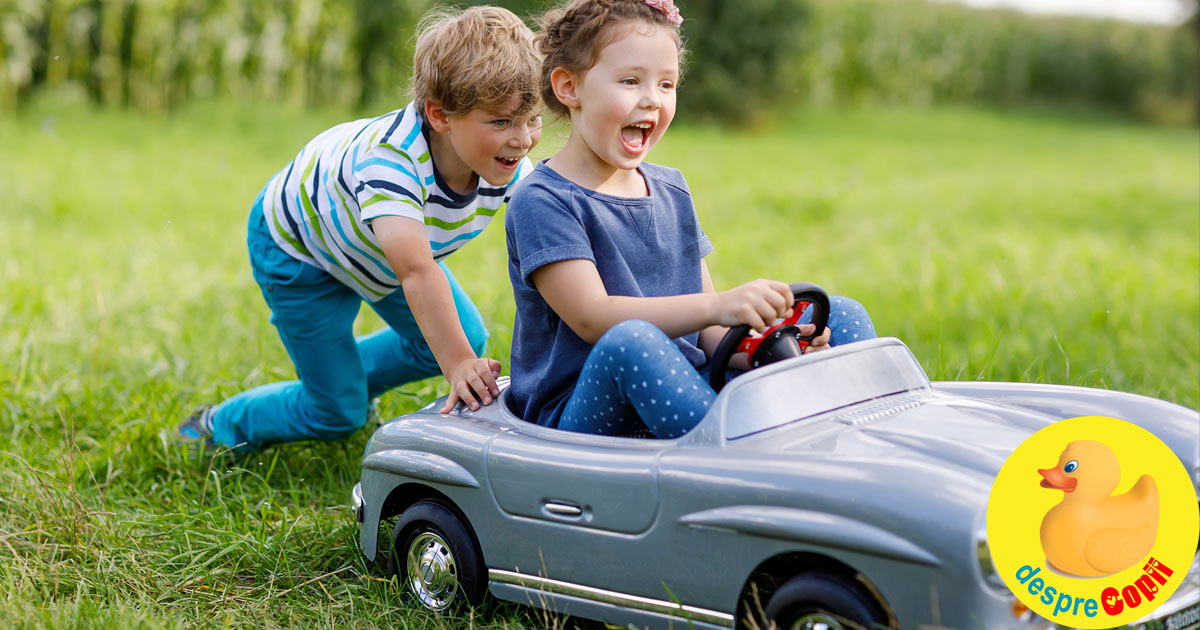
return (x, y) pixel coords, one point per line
(356, 500)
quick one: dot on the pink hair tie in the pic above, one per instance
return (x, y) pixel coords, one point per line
(668, 9)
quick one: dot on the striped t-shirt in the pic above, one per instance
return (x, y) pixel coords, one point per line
(320, 206)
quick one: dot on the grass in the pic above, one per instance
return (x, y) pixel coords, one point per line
(1026, 246)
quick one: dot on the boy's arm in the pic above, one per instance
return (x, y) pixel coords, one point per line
(427, 290)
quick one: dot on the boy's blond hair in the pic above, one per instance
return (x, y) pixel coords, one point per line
(478, 58)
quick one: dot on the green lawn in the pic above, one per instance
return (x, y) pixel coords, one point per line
(1033, 246)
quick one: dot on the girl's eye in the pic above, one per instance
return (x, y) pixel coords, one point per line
(629, 81)
(667, 85)
(1071, 466)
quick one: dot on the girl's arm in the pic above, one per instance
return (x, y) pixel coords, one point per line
(711, 336)
(574, 290)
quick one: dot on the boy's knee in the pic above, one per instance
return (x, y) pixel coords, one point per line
(335, 422)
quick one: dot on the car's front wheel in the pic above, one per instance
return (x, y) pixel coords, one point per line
(435, 557)
(817, 601)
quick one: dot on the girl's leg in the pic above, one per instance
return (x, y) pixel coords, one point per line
(314, 314)
(399, 353)
(848, 320)
(634, 377)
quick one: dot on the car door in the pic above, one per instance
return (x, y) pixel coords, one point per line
(567, 500)
(590, 482)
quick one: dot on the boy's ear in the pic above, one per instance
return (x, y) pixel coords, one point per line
(436, 116)
(565, 84)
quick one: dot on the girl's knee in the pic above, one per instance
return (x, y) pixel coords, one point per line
(849, 321)
(632, 331)
(630, 343)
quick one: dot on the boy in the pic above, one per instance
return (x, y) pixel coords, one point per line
(367, 211)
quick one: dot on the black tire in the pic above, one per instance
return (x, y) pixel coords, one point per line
(812, 601)
(436, 559)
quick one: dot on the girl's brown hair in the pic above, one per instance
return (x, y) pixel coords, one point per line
(572, 36)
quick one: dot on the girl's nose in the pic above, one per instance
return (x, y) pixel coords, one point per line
(650, 99)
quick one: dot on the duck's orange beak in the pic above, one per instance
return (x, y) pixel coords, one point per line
(1054, 478)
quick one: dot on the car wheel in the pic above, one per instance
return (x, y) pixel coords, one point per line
(435, 557)
(815, 601)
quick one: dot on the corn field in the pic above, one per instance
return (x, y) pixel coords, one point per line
(155, 54)
(745, 56)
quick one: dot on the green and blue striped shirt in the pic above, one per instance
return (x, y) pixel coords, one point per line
(320, 206)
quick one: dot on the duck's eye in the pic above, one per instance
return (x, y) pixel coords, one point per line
(1071, 466)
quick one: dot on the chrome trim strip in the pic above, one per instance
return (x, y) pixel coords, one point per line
(611, 597)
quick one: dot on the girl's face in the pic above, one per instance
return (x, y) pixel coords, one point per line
(627, 99)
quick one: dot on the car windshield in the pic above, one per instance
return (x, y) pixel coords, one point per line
(802, 388)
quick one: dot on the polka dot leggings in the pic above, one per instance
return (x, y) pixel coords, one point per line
(636, 378)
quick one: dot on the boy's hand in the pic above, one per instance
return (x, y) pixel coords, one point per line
(473, 378)
(817, 343)
(755, 303)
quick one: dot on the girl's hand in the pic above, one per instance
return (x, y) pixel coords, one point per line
(817, 343)
(756, 304)
(471, 378)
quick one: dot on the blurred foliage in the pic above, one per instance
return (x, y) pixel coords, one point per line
(913, 52)
(745, 56)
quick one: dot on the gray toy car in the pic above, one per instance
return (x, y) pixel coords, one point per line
(835, 489)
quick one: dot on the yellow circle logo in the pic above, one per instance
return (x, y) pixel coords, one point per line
(1092, 522)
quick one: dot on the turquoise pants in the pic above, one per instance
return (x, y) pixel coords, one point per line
(338, 374)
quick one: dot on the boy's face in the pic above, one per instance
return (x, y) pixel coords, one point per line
(492, 143)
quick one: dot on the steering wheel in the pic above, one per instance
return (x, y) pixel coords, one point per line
(781, 341)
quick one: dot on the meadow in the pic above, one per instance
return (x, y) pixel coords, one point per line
(1030, 245)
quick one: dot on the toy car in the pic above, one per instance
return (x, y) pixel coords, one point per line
(831, 490)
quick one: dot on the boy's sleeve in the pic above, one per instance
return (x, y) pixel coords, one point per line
(388, 184)
(544, 228)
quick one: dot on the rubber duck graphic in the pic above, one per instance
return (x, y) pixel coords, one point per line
(1091, 533)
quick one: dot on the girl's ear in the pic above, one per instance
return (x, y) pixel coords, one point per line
(565, 84)
(436, 116)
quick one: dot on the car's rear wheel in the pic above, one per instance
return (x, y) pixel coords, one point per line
(817, 601)
(435, 557)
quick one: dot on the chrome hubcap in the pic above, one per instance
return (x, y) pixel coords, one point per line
(817, 621)
(432, 572)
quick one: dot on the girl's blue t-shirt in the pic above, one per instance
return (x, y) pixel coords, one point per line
(642, 247)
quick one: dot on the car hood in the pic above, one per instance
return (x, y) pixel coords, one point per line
(920, 443)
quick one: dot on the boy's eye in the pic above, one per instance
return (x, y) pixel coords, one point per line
(503, 122)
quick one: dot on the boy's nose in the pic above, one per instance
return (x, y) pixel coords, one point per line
(521, 138)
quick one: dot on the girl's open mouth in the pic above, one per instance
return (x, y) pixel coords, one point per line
(635, 136)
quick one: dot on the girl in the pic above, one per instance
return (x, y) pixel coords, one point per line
(615, 307)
